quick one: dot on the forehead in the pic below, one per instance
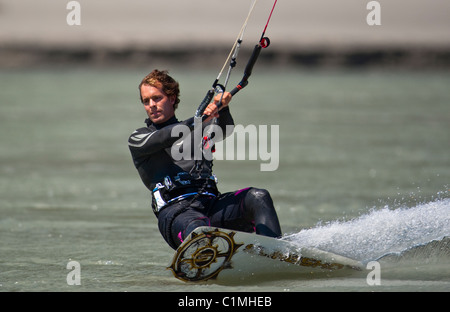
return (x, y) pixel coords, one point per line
(148, 90)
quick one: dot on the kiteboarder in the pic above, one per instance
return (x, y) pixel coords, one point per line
(184, 191)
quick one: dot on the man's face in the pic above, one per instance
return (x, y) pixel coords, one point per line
(157, 104)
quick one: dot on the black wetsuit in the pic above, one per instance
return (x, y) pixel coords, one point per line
(188, 188)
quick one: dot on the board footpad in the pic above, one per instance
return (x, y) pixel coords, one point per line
(204, 255)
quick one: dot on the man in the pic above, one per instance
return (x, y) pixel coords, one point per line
(184, 191)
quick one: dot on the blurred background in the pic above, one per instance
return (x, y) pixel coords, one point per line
(198, 32)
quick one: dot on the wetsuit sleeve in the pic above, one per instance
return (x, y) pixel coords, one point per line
(145, 141)
(225, 119)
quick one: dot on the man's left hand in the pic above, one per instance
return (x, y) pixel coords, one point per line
(212, 110)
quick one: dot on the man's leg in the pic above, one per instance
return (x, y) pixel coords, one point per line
(258, 205)
(247, 210)
(178, 221)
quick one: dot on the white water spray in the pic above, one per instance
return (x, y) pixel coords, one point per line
(380, 232)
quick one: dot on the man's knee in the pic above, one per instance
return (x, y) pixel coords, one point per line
(256, 196)
(260, 207)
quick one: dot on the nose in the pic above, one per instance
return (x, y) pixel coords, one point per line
(148, 108)
(151, 103)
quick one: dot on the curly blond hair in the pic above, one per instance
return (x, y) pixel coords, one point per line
(161, 79)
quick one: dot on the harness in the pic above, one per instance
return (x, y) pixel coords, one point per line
(183, 186)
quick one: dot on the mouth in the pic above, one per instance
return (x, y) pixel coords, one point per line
(155, 114)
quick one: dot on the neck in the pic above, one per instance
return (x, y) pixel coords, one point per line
(170, 121)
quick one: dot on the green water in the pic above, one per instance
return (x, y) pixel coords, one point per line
(349, 142)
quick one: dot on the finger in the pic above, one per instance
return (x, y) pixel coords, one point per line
(226, 98)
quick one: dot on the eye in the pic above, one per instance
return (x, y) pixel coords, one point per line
(157, 99)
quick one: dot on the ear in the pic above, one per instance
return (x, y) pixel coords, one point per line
(172, 99)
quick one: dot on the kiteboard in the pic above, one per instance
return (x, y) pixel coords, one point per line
(216, 254)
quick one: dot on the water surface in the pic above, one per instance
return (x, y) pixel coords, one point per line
(364, 168)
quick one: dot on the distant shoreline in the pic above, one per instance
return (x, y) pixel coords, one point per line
(28, 55)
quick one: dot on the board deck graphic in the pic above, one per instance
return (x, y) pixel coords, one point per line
(214, 253)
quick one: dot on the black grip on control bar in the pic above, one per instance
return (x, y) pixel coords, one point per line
(248, 70)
